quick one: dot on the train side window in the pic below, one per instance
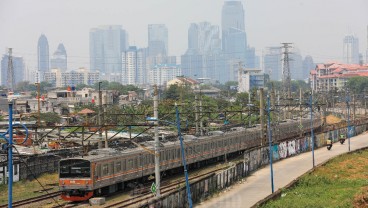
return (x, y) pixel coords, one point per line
(105, 169)
(130, 164)
(173, 154)
(124, 165)
(136, 162)
(98, 170)
(118, 166)
(111, 169)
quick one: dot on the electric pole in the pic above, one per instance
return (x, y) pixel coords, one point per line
(157, 143)
(99, 115)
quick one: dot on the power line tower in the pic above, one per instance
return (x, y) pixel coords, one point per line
(286, 77)
(10, 76)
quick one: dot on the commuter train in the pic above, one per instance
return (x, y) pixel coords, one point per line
(108, 170)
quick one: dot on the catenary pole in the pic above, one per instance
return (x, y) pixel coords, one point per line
(157, 143)
(183, 157)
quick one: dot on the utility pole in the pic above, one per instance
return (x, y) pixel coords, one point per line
(300, 112)
(200, 111)
(38, 104)
(249, 114)
(99, 115)
(196, 115)
(157, 143)
(104, 120)
(261, 115)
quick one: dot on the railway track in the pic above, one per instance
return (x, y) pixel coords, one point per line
(33, 199)
(145, 196)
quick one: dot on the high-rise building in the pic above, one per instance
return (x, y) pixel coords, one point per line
(308, 66)
(134, 66)
(18, 68)
(59, 58)
(234, 41)
(204, 58)
(162, 73)
(296, 65)
(272, 64)
(351, 49)
(204, 38)
(58, 78)
(157, 40)
(43, 55)
(106, 46)
(366, 53)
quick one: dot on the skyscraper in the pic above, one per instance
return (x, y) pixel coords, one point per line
(308, 65)
(272, 63)
(157, 40)
(234, 41)
(59, 58)
(134, 66)
(18, 67)
(204, 38)
(296, 65)
(43, 55)
(201, 60)
(106, 46)
(351, 49)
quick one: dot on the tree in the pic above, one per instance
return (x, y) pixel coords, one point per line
(50, 118)
(357, 84)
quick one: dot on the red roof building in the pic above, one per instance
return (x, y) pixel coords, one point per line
(333, 76)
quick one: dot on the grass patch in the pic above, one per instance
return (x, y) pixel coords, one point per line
(342, 182)
(26, 189)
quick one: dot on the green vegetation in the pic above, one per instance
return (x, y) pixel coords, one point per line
(358, 84)
(342, 182)
(26, 189)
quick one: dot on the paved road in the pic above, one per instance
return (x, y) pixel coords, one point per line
(258, 186)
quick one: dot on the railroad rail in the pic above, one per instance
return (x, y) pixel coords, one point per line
(33, 199)
(164, 189)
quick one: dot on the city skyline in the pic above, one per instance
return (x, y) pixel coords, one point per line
(285, 20)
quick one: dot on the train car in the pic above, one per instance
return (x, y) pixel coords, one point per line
(105, 171)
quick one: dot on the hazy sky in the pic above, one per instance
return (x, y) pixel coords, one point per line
(317, 27)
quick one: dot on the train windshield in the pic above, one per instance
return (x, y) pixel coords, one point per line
(75, 168)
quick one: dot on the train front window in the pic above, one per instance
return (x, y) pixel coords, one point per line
(75, 168)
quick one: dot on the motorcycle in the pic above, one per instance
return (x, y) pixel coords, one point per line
(329, 144)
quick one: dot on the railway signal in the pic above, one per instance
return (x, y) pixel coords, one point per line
(153, 188)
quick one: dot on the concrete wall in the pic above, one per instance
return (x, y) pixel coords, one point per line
(253, 160)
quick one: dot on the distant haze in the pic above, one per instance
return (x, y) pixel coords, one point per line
(317, 27)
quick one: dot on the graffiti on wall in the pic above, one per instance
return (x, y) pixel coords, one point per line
(283, 150)
(291, 147)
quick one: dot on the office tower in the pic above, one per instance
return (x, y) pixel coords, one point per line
(59, 58)
(18, 68)
(133, 66)
(43, 55)
(308, 65)
(106, 46)
(204, 38)
(157, 40)
(366, 53)
(296, 65)
(234, 42)
(351, 49)
(272, 62)
(204, 58)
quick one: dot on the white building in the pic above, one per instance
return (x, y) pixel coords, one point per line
(71, 78)
(162, 73)
(134, 66)
(249, 79)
